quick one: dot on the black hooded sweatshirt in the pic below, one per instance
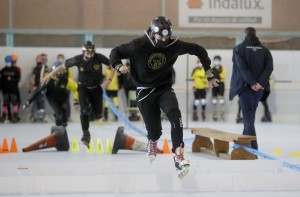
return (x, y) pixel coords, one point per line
(152, 66)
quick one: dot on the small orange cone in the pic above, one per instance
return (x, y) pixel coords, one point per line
(13, 146)
(4, 146)
(166, 149)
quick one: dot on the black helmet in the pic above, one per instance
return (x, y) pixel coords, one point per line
(161, 26)
(88, 46)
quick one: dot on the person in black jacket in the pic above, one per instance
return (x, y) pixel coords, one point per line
(10, 78)
(252, 67)
(89, 65)
(152, 57)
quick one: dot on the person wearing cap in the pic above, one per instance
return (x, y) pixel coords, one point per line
(57, 94)
(152, 57)
(90, 91)
(252, 67)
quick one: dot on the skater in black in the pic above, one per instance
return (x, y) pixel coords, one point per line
(10, 79)
(267, 114)
(89, 65)
(57, 93)
(152, 57)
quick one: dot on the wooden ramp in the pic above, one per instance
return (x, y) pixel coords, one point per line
(220, 145)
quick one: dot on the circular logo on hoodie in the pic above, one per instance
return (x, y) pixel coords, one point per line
(156, 61)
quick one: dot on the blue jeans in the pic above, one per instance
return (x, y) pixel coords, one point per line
(249, 101)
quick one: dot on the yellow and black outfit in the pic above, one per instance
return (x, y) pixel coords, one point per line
(57, 93)
(112, 92)
(199, 87)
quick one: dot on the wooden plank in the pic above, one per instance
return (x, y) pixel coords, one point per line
(221, 135)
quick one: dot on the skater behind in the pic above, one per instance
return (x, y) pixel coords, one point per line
(57, 93)
(239, 117)
(199, 87)
(61, 59)
(14, 63)
(253, 65)
(218, 102)
(89, 65)
(10, 79)
(152, 57)
(267, 114)
(112, 92)
(37, 112)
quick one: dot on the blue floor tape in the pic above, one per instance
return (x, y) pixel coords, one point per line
(132, 126)
(265, 156)
(121, 116)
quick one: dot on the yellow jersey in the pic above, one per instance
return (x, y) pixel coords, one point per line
(199, 77)
(114, 84)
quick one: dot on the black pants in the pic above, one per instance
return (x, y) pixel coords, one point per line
(165, 99)
(60, 111)
(249, 100)
(89, 99)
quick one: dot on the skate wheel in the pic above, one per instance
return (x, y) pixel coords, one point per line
(183, 172)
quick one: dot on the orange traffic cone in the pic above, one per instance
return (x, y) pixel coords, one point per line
(166, 149)
(13, 146)
(4, 146)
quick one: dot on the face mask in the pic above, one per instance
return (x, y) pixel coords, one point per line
(199, 65)
(217, 62)
(39, 64)
(161, 44)
(88, 56)
(8, 64)
(61, 60)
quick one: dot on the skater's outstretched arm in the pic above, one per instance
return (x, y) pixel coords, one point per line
(34, 96)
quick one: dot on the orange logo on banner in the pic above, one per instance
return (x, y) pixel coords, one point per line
(195, 3)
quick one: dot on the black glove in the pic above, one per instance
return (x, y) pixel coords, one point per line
(211, 74)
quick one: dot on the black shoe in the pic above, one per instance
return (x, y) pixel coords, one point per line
(266, 119)
(239, 120)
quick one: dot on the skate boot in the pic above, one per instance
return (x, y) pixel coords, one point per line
(152, 149)
(214, 116)
(266, 119)
(203, 115)
(32, 119)
(222, 116)
(181, 164)
(239, 120)
(195, 116)
(105, 117)
(15, 118)
(86, 138)
(1, 119)
(41, 115)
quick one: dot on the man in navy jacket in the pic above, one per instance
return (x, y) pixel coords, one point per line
(252, 67)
